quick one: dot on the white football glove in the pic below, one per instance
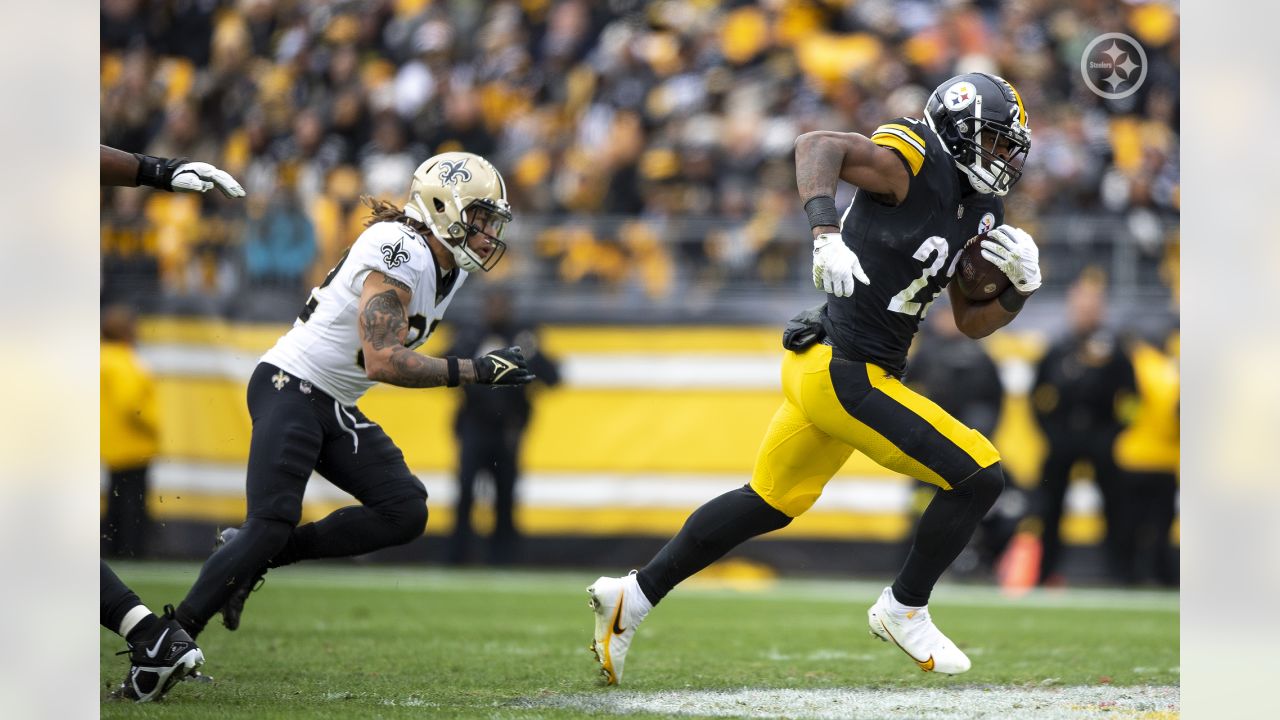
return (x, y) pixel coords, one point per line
(835, 266)
(1015, 253)
(202, 177)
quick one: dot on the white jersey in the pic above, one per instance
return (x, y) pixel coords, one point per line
(324, 347)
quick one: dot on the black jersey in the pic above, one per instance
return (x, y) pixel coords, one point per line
(909, 251)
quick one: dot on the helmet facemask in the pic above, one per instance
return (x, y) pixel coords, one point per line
(992, 152)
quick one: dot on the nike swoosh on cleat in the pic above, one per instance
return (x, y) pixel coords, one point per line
(925, 665)
(617, 614)
(156, 648)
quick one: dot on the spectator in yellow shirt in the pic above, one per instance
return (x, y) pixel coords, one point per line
(130, 435)
(1149, 451)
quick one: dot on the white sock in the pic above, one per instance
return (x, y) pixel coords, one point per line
(898, 607)
(132, 618)
(644, 601)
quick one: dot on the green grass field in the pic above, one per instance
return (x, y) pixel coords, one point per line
(354, 642)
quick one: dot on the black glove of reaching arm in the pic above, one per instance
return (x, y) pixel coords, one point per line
(503, 367)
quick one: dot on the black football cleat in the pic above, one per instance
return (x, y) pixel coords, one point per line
(234, 607)
(159, 662)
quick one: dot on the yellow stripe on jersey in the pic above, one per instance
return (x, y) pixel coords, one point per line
(902, 139)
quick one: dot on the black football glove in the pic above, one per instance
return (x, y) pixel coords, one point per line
(503, 367)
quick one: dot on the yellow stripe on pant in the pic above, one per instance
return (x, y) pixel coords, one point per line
(833, 407)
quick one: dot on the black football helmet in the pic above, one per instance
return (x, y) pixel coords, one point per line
(981, 119)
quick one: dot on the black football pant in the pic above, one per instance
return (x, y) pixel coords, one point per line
(115, 598)
(298, 429)
(495, 450)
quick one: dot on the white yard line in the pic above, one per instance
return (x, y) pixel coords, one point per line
(558, 582)
(995, 702)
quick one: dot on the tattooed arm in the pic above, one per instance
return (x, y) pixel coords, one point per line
(383, 326)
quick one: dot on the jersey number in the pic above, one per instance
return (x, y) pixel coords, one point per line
(902, 302)
(313, 301)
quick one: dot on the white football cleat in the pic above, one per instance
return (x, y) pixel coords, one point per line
(619, 605)
(913, 631)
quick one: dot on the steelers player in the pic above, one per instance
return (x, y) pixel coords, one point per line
(924, 187)
(359, 328)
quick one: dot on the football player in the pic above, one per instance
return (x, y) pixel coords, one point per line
(359, 328)
(160, 652)
(924, 187)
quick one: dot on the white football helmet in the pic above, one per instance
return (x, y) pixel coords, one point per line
(457, 195)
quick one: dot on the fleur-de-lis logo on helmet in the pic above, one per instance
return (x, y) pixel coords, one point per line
(451, 172)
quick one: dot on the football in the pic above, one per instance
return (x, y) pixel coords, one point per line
(978, 278)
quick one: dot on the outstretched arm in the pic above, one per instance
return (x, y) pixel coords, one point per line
(117, 167)
(123, 169)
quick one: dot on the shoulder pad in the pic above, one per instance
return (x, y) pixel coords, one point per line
(906, 136)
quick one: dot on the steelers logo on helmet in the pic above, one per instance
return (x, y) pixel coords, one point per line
(960, 96)
(983, 123)
(462, 197)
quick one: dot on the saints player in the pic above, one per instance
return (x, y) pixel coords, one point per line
(160, 651)
(924, 187)
(359, 327)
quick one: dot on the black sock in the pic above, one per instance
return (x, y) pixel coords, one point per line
(711, 531)
(146, 628)
(944, 530)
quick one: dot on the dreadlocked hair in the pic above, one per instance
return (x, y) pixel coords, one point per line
(383, 211)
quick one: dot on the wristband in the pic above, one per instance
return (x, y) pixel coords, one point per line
(451, 365)
(1012, 300)
(822, 211)
(156, 172)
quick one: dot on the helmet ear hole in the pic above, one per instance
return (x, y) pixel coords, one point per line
(439, 205)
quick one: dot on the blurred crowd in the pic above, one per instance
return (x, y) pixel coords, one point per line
(647, 145)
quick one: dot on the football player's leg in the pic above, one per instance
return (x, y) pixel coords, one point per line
(160, 652)
(121, 610)
(903, 431)
(908, 433)
(286, 442)
(793, 464)
(394, 502)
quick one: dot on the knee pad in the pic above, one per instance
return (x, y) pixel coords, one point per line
(984, 485)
